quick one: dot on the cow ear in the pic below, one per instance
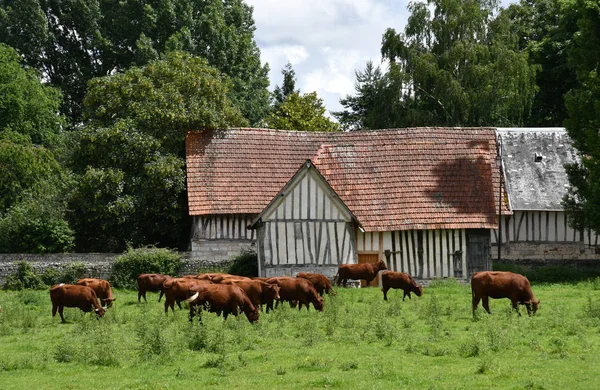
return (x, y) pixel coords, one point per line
(538, 302)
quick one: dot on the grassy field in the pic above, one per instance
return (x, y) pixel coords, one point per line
(359, 341)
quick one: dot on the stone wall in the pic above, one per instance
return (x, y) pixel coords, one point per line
(561, 252)
(99, 265)
(218, 251)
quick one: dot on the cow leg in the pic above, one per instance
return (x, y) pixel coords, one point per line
(160, 295)
(404, 296)
(476, 300)
(54, 308)
(344, 282)
(60, 311)
(385, 290)
(139, 296)
(515, 305)
(179, 304)
(486, 304)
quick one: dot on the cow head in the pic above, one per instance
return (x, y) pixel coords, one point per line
(418, 291)
(318, 304)
(100, 312)
(274, 291)
(109, 301)
(532, 306)
(252, 315)
(381, 265)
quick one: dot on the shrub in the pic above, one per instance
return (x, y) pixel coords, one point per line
(25, 277)
(245, 263)
(134, 262)
(70, 274)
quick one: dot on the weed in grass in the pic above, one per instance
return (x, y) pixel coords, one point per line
(325, 381)
(591, 308)
(280, 371)
(197, 339)
(558, 347)
(347, 366)
(486, 365)
(103, 351)
(469, 348)
(331, 315)
(312, 363)
(433, 318)
(65, 351)
(152, 341)
(242, 359)
(215, 361)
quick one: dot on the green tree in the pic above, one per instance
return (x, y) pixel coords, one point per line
(455, 64)
(280, 94)
(33, 184)
(302, 112)
(72, 42)
(545, 30)
(583, 104)
(130, 158)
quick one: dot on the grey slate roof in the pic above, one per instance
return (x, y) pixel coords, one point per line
(535, 185)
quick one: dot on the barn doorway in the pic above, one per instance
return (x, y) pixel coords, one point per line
(364, 258)
(478, 251)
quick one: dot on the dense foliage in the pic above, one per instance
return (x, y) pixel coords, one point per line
(245, 263)
(149, 260)
(583, 104)
(72, 42)
(27, 278)
(130, 156)
(457, 63)
(33, 183)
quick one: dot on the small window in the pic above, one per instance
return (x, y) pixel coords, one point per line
(538, 157)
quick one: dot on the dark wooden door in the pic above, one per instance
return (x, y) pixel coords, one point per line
(369, 258)
(478, 251)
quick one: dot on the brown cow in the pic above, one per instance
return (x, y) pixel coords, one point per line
(151, 282)
(178, 289)
(102, 289)
(516, 287)
(400, 280)
(320, 282)
(297, 290)
(260, 293)
(223, 298)
(220, 278)
(368, 272)
(72, 295)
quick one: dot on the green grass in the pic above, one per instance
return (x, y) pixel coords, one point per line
(359, 341)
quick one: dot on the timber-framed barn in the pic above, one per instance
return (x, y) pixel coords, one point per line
(421, 199)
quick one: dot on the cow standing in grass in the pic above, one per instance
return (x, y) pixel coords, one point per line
(399, 280)
(72, 295)
(366, 272)
(320, 282)
(102, 289)
(221, 298)
(491, 284)
(151, 282)
(178, 290)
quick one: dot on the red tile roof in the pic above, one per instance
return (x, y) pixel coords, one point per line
(398, 179)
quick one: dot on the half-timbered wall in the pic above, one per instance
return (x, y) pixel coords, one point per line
(542, 227)
(424, 254)
(223, 226)
(307, 226)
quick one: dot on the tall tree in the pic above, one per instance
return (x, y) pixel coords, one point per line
(73, 41)
(130, 159)
(545, 30)
(280, 94)
(33, 183)
(583, 124)
(457, 63)
(302, 112)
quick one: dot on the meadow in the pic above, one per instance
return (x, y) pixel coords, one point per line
(359, 341)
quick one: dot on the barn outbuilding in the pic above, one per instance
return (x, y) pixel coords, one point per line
(421, 199)
(536, 182)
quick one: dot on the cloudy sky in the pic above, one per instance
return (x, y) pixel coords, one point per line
(325, 40)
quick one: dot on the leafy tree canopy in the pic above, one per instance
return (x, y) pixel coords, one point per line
(545, 30)
(302, 112)
(130, 159)
(457, 63)
(583, 124)
(71, 42)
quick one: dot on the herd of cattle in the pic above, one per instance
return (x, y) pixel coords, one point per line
(231, 294)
